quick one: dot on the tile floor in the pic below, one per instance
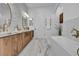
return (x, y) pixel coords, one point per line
(37, 47)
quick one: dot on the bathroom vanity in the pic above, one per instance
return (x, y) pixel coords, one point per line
(12, 43)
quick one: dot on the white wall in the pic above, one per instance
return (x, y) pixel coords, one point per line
(71, 10)
(71, 19)
(40, 15)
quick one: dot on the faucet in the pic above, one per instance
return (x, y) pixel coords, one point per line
(77, 33)
(3, 27)
(0, 28)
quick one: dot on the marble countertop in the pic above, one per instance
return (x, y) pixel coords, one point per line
(3, 34)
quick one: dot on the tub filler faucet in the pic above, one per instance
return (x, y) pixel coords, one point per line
(77, 32)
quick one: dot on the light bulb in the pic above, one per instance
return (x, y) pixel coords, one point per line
(25, 15)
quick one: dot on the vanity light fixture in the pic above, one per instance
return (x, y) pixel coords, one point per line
(25, 18)
(25, 15)
(30, 22)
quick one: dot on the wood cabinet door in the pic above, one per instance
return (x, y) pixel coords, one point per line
(14, 45)
(27, 37)
(6, 43)
(20, 46)
(23, 40)
(1, 47)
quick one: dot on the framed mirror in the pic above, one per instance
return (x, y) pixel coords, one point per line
(5, 16)
(27, 21)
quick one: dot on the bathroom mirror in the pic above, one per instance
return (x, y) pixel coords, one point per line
(5, 16)
(27, 21)
(21, 15)
(22, 12)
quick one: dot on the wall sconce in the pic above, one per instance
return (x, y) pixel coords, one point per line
(25, 18)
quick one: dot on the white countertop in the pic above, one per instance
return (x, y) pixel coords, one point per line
(3, 34)
(69, 45)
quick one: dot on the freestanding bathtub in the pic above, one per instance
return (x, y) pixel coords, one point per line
(64, 46)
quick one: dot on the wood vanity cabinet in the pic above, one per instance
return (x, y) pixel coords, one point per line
(13, 44)
(1, 46)
(20, 42)
(6, 46)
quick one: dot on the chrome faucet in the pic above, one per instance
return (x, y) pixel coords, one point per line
(77, 33)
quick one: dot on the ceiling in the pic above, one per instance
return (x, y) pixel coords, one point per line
(37, 5)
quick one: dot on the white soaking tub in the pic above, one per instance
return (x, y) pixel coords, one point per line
(68, 45)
